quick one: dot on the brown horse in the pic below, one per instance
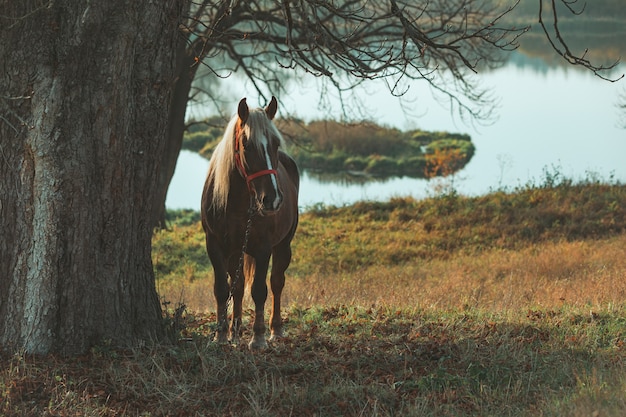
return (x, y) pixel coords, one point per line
(249, 214)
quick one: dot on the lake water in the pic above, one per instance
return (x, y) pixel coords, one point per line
(561, 120)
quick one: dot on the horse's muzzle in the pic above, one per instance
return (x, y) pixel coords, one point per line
(269, 205)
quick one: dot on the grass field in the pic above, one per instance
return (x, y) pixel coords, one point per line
(511, 304)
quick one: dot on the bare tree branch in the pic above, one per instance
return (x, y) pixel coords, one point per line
(441, 42)
(621, 106)
(561, 47)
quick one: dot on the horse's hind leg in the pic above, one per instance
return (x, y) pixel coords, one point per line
(281, 258)
(259, 296)
(237, 283)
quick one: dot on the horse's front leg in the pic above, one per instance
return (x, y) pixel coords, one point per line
(237, 281)
(281, 257)
(221, 290)
(259, 296)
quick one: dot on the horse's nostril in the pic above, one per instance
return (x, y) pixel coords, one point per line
(271, 203)
(268, 203)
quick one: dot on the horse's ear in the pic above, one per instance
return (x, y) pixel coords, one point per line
(243, 111)
(271, 108)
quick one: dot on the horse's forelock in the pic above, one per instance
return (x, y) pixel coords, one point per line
(258, 122)
(223, 158)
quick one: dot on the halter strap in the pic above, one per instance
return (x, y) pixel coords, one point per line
(240, 166)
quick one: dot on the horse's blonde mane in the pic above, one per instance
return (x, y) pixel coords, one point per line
(222, 161)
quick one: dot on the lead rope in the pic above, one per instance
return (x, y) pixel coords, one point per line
(251, 212)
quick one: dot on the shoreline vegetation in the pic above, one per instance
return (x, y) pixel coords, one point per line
(364, 149)
(509, 304)
(404, 233)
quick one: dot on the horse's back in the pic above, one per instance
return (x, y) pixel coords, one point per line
(288, 214)
(291, 168)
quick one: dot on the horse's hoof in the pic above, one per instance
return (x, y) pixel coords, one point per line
(258, 343)
(221, 339)
(276, 336)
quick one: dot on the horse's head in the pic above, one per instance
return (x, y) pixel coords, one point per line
(256, 145)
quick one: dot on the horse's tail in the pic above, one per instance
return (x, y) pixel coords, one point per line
(249, 266)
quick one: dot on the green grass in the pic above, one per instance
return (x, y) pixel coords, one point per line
(403, 231)
(511, 304)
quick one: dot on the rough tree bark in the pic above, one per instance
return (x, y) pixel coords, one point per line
(85, 90)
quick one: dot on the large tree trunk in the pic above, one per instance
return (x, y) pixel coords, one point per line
(85, 90)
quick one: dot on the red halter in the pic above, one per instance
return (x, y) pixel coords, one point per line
(240, 166)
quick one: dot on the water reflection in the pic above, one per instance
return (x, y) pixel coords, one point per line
(186, 187)
(551, 117)
(347, 191)
(563, 119)
(346, 178)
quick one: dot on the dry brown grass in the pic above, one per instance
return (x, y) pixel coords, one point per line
(536, 331)
(548, 246)
(511, 305)
(547, 275)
